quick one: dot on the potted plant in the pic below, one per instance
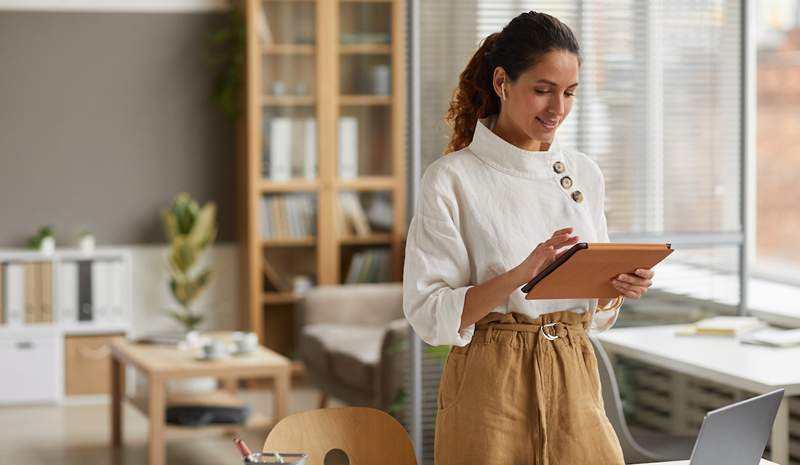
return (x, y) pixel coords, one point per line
(43, 241)
(191, 230)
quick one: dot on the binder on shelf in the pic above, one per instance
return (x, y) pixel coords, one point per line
(280, 146)
(85, 310)
(116, 307)
(310, 152)
(32, 293)
(348, 147)
(2, 294)
(264, 31)
(15, 294)
(68, 292)
(99, 290)
(46, 291)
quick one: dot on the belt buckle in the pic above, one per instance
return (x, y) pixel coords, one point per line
(544, 333)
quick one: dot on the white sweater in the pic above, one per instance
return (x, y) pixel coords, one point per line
(480, 212)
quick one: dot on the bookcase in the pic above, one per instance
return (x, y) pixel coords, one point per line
(323, 164)
(56, 313)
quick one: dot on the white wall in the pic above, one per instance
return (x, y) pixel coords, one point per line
(151, 296)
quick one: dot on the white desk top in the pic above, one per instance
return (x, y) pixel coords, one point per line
(752, 368)
(686, 462)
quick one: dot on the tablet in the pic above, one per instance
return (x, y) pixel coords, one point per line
(586, 270)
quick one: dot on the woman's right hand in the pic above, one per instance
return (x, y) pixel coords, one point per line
(542, 255)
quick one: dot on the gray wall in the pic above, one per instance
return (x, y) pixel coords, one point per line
(104, 117)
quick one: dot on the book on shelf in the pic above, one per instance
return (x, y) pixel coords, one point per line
(348, 147)
(274, 279)
(722, 326)
(288, 216)
(353, 220)
(368, 266)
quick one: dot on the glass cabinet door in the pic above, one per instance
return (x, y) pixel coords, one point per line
(286, 30)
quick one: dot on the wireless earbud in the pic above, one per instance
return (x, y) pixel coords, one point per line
(503, 90)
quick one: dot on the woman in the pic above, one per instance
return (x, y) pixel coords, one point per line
(520, 385)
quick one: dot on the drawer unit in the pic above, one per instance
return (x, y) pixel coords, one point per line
(87, 364)
(30, 366)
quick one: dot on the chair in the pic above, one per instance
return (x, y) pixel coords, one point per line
(368, 436)
(640, 445)
(353, 339)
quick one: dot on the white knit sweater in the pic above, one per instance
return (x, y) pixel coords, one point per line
(479, 213)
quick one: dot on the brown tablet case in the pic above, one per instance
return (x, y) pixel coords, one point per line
(585, 271)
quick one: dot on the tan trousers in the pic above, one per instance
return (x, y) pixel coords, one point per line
(524, 391)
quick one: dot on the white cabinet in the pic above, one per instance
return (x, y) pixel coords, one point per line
(30, 366)
(44, 299)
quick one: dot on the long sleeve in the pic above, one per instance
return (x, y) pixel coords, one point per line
(436, 272)
(602, 321)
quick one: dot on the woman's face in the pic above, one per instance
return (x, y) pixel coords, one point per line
(541, 97)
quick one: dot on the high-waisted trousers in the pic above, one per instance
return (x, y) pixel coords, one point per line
(524, 391)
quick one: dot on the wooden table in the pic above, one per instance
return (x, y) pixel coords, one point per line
(161, 363)
(686, 462)
(723, 360)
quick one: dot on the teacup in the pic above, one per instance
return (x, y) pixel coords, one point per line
(245, 342)
(214, 349)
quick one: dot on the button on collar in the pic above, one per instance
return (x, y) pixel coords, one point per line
(559, 167)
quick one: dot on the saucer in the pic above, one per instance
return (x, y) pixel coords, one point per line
(202, 357)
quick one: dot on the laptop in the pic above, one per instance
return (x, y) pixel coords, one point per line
(737, 434)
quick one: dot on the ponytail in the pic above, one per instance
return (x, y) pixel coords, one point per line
(474, 98)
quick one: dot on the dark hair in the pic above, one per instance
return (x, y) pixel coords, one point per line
(520, 45)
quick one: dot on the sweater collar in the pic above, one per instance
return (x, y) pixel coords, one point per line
(508, 158)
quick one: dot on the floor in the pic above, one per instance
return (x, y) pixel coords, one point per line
(78, 434)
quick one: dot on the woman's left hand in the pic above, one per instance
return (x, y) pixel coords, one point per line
(634, 286)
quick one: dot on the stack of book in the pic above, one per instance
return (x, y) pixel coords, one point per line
(369, 266)
(722, 326)
(288, 216)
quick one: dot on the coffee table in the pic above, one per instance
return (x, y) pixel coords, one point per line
(162, 363)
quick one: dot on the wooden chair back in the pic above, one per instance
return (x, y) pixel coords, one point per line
(367, 436)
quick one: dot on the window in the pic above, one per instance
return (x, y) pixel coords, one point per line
(777, 141)
(659, 109)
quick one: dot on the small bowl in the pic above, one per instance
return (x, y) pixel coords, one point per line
(273, 457)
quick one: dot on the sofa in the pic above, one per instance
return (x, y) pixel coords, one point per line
(353, 341)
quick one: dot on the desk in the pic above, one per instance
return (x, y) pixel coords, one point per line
(162, 363)
(723, 360)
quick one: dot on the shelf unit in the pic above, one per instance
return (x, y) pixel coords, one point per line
(320, 65)
(66, 354)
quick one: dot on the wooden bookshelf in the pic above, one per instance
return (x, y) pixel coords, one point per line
(325, 61)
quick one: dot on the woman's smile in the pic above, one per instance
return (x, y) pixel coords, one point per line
(548, 124)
